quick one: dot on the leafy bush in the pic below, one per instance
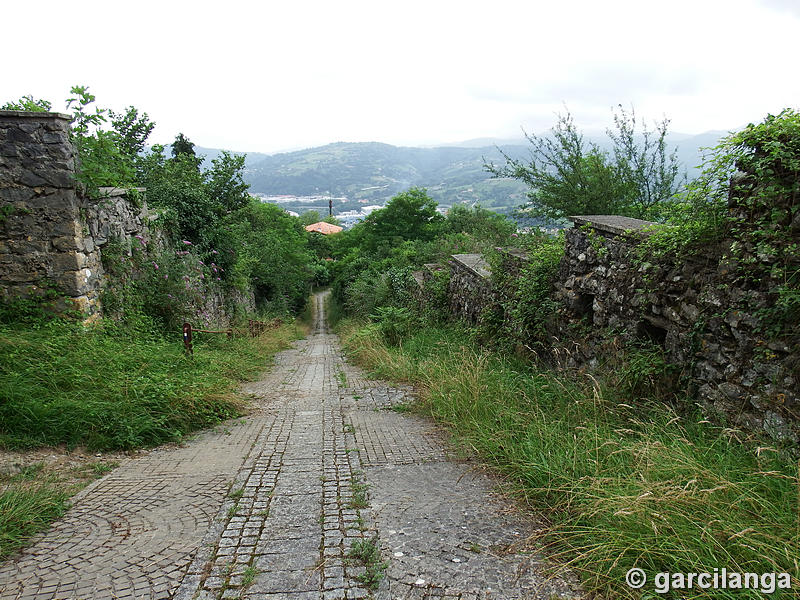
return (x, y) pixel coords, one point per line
(526, 306)
(394, 323)
(746, 205)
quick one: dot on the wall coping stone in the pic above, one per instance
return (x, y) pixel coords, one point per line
(433, 267)
(115, 192)
(474, 263)
(31, 114)
(612, 224)
(518, 252)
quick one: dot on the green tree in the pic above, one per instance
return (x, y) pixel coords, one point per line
(568, 176)
(182, 145)
(198, 199)
(272, 254)
(649, 174)
(225, 182)
(479, 223)
(565, 174)
(410, 215)
(102, 162)
(133, 130)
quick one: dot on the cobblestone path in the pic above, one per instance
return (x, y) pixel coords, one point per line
(278, 505)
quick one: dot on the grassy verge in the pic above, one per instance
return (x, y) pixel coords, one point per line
(622, 483)
(36, 494)
(109, 388)
(116, 388)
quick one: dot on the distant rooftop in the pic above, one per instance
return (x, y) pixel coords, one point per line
(323, 228)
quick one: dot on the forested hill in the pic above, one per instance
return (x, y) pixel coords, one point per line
(374, 171)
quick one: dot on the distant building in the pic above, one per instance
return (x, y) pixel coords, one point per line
(323, 228)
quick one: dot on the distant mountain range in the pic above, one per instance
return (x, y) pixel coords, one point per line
(373, 172)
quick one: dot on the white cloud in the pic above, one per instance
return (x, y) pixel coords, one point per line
(273, 75)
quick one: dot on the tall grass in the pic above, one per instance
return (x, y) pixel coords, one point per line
(119, 388)
(621, 483)
(26, 509)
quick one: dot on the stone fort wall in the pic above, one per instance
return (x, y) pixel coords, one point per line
(52, 236)
(708, 327)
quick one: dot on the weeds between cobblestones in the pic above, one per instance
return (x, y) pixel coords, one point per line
(367, 553)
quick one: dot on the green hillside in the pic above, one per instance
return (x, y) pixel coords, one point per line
(375, 172)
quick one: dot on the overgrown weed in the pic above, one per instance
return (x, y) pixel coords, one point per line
(67, 384)
(622, 482)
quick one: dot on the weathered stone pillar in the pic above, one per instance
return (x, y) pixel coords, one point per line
(41, 236)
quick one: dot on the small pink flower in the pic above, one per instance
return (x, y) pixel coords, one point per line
(187, 242)
(155, 266)
(166, 276)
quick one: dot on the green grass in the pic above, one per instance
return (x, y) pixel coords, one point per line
(26, 509)
(107, 388)
(367, 553)
(112, 388)
(359, 488)
(249, 576)
(622, 481)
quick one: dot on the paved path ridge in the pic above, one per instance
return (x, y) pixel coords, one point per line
(274, 506)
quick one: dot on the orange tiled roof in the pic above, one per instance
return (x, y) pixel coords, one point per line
(323, 228)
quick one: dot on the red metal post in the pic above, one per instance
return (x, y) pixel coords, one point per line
(187, 338)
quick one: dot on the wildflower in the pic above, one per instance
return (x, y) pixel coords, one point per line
(187, 242)
(155, 266)
(514, 235)
(214, 252)
(166, 276)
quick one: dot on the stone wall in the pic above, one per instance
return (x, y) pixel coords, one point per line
(51, 236)
(469, 291)
(689, 307)
(706, 326)
(42, 238)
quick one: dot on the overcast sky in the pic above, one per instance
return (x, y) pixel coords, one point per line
(268, 76)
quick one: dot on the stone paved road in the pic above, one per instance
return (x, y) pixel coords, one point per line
(272, 507)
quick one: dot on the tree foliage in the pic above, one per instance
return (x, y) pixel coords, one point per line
(649, 174)
(102, 159)
(567, 175)
(410, 215)
(28, 103)
(272, 254)
(182, 145)
(132, 131)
